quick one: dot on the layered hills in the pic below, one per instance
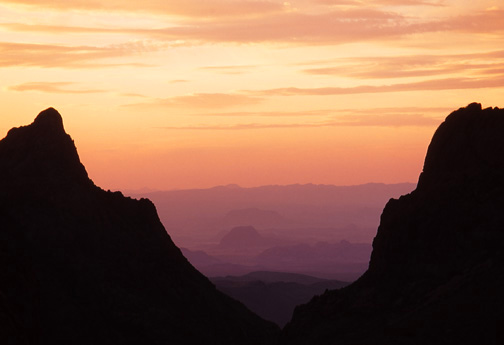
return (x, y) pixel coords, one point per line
(301, 213)
(80, 265)
(274, 295)
(230, 230)
(436, 272)
(244, 249)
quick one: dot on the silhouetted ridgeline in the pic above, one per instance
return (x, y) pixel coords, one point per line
(79, 265)
(436, 274)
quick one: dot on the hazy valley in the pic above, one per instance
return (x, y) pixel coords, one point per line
(321, 230)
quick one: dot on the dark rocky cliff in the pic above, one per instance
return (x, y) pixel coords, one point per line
(436, 273)
(79, 265)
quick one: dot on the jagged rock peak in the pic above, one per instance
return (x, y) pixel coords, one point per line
(469, 142)
(49, 119)
(436, 274)
(42, 150)
(81, 266)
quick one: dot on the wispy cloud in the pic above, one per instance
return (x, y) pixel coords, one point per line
(381, 2)
(333, 26)
(389, 111)
(229, 69)
(411, 65)
(428, 85)
(129, 94)
(336, 26)
(57, 29)
(305, 113)
(59, 56)
(52, 87)
(488, 21)
(408, 3)
(438, 111)
(385, 120)
(187, 8)
(251, 97)
(201, 100)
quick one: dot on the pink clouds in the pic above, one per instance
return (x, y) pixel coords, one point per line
(280, 25)
(58, 56)
(51, 87)
(293, 27)
(368, 120)
(202, 101)
(426, 85)
(238, 69)
(381, 2)
(331, 27)
(188, 8)
(379, 67)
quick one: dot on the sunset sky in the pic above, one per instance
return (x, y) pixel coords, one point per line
(172, 94)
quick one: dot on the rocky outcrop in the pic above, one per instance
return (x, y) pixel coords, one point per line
(80, 265)
(436, 273)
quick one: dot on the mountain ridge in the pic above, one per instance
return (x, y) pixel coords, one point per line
(81, 265)
(435, 273)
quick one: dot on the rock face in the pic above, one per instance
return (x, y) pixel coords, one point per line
(79, 265)
(436, 273)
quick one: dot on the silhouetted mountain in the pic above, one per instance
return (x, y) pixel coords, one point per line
(274, 295)
(80, 265)
(436, 274)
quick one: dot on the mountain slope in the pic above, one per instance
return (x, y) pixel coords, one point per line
(84, 266)
(436, 272)
(274, 295)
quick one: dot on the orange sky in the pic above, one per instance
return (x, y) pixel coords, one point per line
(182, 94)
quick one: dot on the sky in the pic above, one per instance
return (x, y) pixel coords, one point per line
(166, 94)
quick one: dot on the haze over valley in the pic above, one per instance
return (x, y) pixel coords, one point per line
(320, 230)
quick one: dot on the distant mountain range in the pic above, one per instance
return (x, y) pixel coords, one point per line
(245, 249)
(303, 212)
(288, 220)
